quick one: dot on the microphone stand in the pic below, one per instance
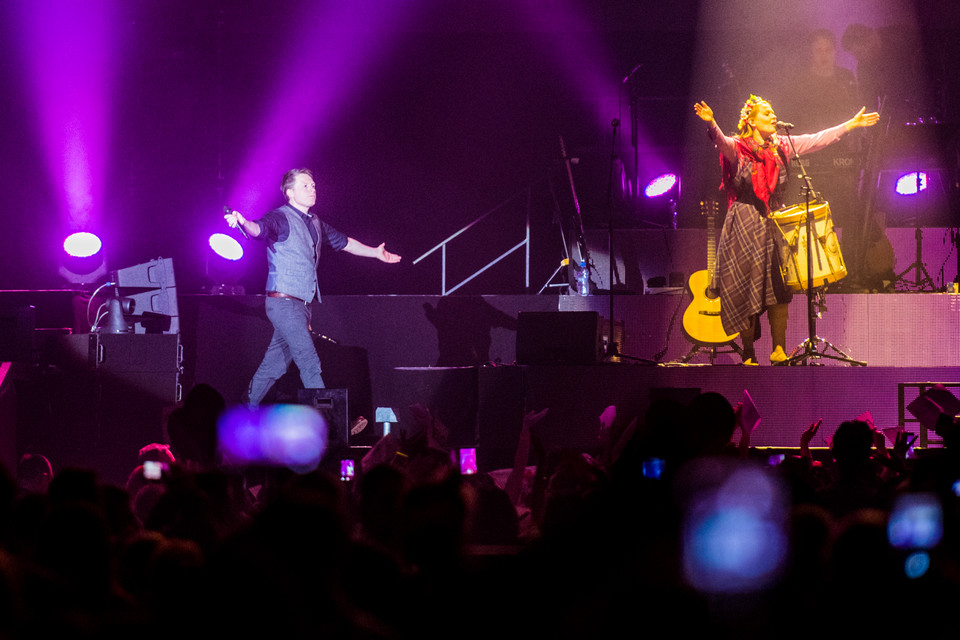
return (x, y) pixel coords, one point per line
(612, 351)
(809, 348)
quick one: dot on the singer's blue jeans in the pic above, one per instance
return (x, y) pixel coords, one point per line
(291, 342)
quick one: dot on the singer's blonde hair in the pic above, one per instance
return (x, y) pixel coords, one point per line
(749, 110)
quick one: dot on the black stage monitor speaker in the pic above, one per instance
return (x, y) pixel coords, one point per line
(332, 405)
(17, 334)
(558, 337)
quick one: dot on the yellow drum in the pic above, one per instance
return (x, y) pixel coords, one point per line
(828, 265)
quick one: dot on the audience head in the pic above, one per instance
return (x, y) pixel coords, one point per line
(156, 452)
(852, 443)
(713, 422)
(193, 428)
(34, 473)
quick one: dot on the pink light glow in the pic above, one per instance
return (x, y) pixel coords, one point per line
(339, 47)
(569, 37)
(68, 58)
(336, 50)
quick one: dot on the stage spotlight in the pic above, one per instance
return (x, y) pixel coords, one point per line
(921, 195)
(661, 185)
(83, 259)
(663, 194)
(82, 244)
(910, 184)
(226, 246)
(224, 265)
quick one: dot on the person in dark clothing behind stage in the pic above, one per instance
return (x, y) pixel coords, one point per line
(821, 93)
(818, 96)
(294, 239)
(751, 249)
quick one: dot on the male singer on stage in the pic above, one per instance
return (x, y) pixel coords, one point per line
(294, 237)
(751, 250)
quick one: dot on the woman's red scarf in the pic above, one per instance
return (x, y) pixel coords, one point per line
(766, 162)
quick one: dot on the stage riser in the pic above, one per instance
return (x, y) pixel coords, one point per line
(902, 337)
(378, 334)
(647, 253)
(883, 330)
(789, 399)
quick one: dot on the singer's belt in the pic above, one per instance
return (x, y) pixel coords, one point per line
(277, 294)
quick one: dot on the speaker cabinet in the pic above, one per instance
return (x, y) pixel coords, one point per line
(558, 337)
(332, 405)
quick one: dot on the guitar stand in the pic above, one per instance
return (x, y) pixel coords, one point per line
(713, 351)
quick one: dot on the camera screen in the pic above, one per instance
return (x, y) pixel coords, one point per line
(468, 461)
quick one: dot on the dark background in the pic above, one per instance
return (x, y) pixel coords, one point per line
(461, 112)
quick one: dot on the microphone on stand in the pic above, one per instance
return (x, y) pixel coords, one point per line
(784, 125)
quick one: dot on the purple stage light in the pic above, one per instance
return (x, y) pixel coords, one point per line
(83, 260)
(224, 265)
(910, 184)
(69, 49)
(660, 185)
(82, 244)
(226, 246)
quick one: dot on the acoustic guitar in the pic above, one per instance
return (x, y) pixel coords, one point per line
(701, 320)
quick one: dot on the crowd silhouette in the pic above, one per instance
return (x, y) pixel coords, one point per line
(672, 523)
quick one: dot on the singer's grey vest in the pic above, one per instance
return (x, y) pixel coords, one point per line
(292, 263)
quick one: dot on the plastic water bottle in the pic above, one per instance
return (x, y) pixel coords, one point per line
(583, 279)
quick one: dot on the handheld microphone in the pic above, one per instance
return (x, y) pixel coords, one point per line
(239, 226)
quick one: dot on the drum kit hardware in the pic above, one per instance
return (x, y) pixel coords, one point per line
(814, 261)
(828, 264)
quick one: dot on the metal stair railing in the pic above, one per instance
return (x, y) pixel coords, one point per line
(442, 247)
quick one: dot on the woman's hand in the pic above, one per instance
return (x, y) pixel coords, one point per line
(863, 119)
(704, 111)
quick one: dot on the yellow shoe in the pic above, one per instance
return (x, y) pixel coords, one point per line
(778, 356)
(750, 362)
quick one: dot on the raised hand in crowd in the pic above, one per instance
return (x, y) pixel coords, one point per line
(807, 436)
(514, 483)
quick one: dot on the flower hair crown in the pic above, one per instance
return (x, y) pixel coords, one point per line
(752, 103)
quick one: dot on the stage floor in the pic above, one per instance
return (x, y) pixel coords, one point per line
(393, 351)
(457, 355)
